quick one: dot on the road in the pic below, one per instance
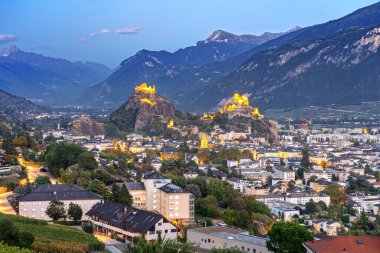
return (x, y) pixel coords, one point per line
(33, 170)
(5, 207)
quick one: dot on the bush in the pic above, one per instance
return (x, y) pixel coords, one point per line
(26, 240)
(88, 227)
(61, 247)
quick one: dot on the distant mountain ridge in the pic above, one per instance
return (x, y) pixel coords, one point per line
(200, 88)
(45, 79)
(151, 66)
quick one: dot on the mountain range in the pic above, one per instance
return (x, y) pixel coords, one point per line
(46, 80)
(199, 85)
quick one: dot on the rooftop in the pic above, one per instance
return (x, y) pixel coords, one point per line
(348, 244)
(49, 192)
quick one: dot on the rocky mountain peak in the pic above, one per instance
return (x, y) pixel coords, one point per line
(12, 49)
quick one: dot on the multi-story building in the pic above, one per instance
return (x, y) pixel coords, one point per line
(284, 173)
(283, 210)
(35, 203)
(173, 202)
(303, 197)
(318, 174)
(138, 192)
(367, 244)
(129, 222)
(223, 237)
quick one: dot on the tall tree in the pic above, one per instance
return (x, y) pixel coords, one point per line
(121, 195)
(74, 212)
(288, 237)
(56, 210)
(100, 188)
(305, 161)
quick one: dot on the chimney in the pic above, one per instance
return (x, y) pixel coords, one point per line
(125, 209)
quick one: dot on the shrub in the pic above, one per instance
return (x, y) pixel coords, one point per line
(88, 227)
(11, 249)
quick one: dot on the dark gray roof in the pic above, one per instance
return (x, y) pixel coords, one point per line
(135, 186)
(126, 218)
(154, 175)
(172, 188)
(49, 192)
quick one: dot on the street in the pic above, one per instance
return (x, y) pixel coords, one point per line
(33, 170)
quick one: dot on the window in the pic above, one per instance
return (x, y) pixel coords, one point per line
(166, 231)
(175, 230)
(159, 224)
(209, 240)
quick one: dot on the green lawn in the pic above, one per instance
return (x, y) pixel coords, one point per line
(55, 238)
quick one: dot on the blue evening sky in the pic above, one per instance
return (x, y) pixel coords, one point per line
(109, 31)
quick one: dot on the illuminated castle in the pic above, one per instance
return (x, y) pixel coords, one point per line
(241, 102)
(144, 88)
(170, 124)
(207, 116)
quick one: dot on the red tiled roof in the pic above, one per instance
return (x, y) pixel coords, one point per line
(346, 244)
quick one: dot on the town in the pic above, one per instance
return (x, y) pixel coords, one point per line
(189, 126)
(201, 184)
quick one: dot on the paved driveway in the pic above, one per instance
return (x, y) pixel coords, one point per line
(5, 207)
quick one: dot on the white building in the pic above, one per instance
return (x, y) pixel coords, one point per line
(223, 237)
(284, 173)
(35, 203)
(303, 197)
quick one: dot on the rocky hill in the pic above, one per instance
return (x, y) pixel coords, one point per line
(87, 126)
(46, 80)
(142, 109)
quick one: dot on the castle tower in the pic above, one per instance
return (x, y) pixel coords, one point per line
(204, 142)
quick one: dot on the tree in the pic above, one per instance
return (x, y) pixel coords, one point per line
(299, 173)
(56, 210)
(121, 195)
(208, 206)
(337, 194)
(288, 237)
(305, 161)
(61, 155)
(87, 161)
(100, 188)
(74, 212)
(42, 180)
(194, 189)
(312, 179)
(311, 207)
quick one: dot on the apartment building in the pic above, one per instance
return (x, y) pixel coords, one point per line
(157, 193)
(317, 173)
(284, 173)
(35, 203)
(303, 197)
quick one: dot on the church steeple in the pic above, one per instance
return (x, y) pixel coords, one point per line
(204, 142)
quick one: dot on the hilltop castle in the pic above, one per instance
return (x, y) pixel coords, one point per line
(144, 88)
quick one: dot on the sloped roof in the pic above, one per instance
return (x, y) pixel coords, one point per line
(346, 244)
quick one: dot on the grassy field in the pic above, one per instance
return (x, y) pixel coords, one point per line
(55, 238)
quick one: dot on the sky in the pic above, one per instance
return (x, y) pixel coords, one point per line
(109, 31)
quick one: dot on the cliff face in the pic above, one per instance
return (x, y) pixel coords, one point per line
(142, 109)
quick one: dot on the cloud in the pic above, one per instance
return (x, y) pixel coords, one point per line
(82, 40)
(128, 30)
(101, 32)
(7, 37)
